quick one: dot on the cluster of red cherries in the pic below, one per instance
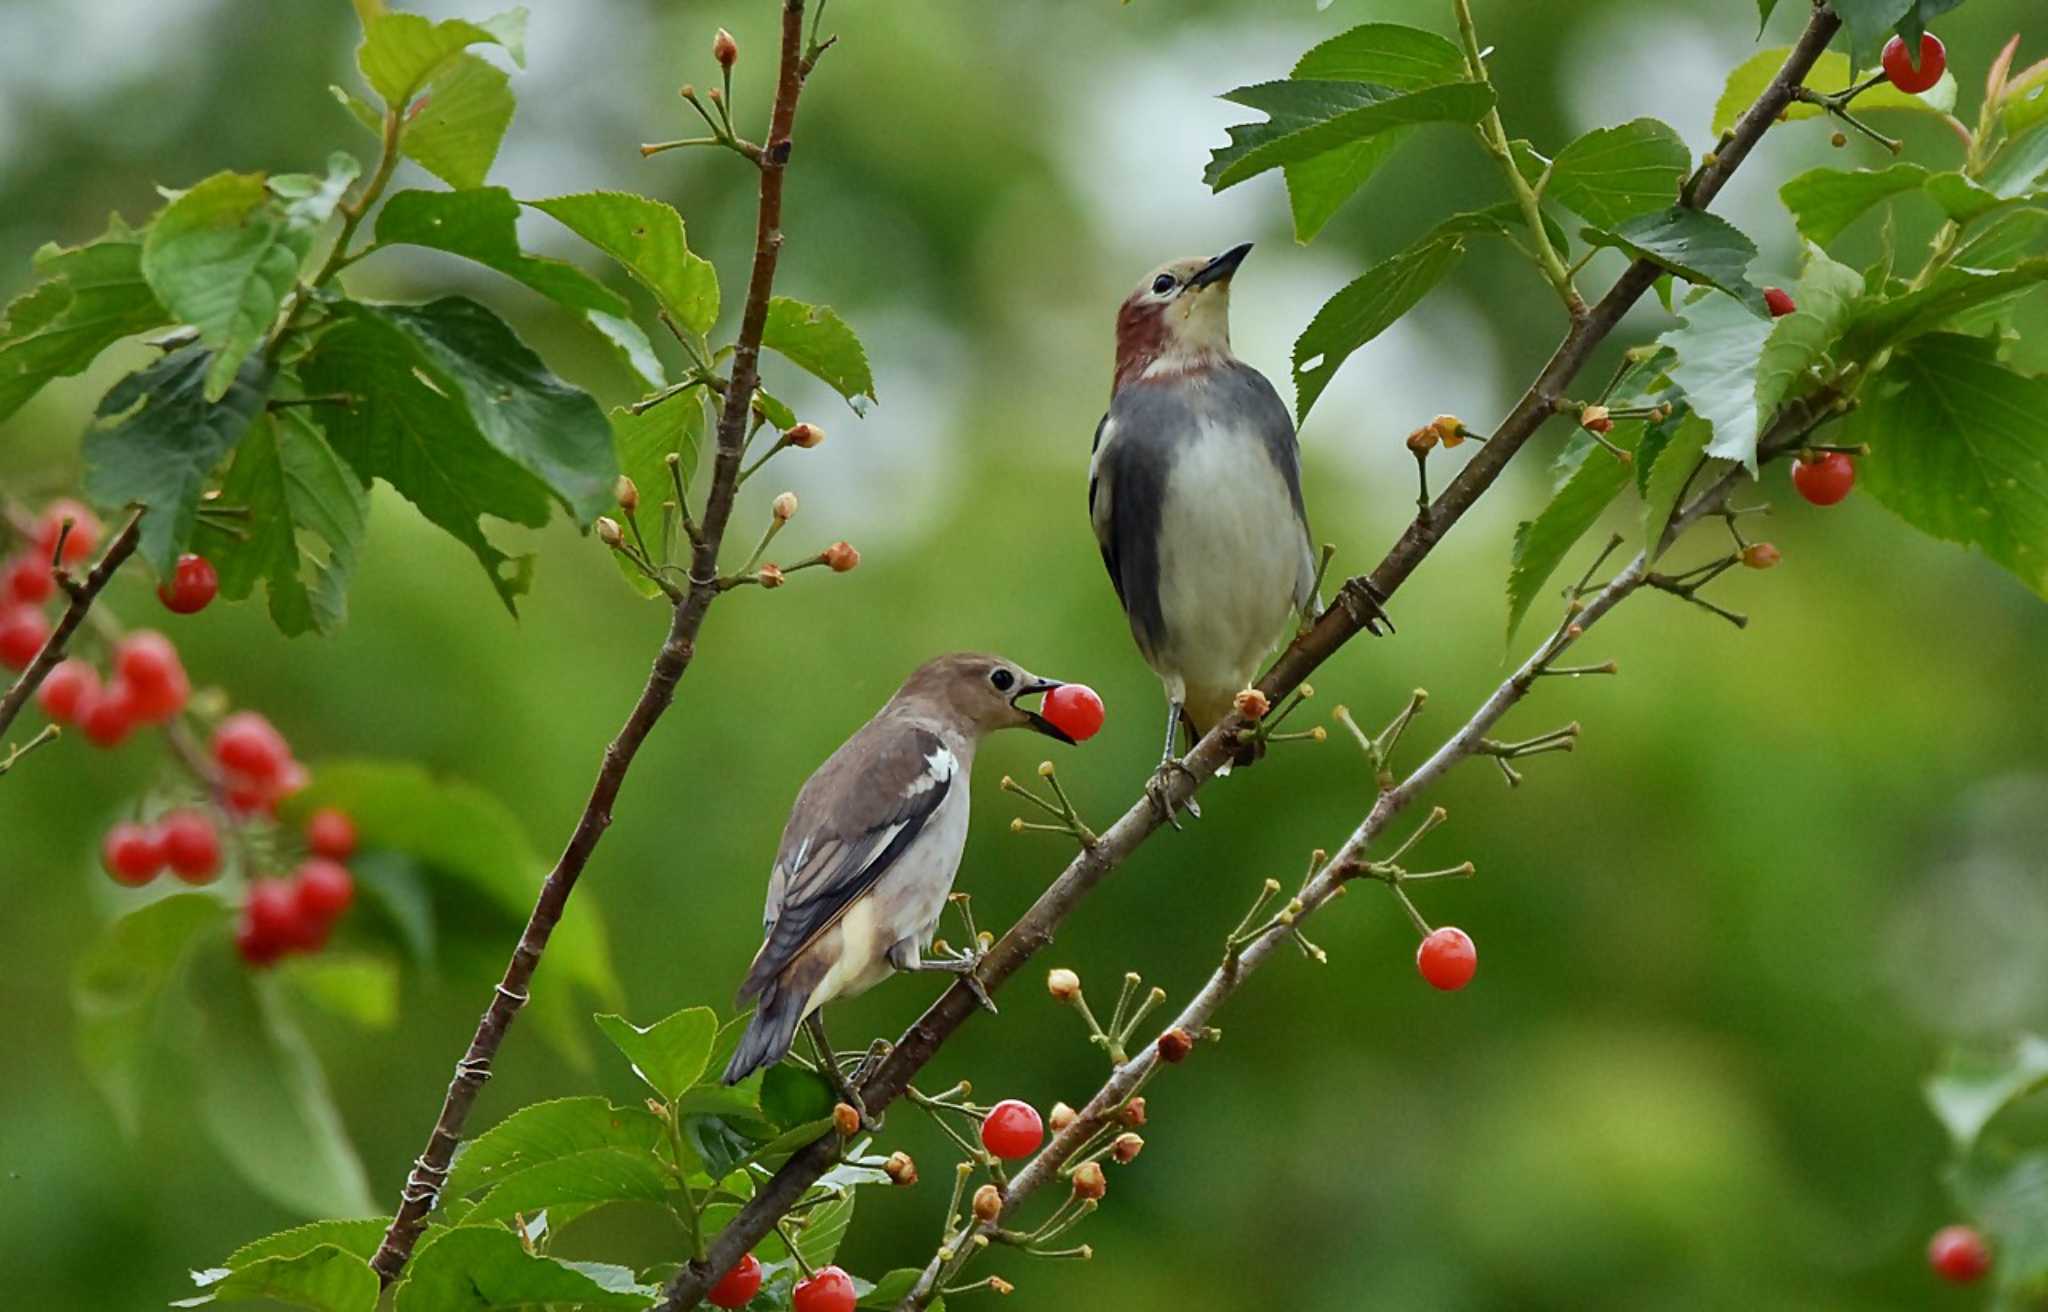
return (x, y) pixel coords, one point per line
(28, 581)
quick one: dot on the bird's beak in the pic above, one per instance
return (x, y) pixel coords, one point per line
(1033, 718)
(1220, 268)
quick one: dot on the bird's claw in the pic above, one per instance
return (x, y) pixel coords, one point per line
(965, 964)
(1368, 602)
(1156, 791)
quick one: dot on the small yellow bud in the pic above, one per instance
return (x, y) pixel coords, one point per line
(628, 494)
(1760, 555)
(608, 531)
(804, 435)
(1045, 770)
(841, 557)
(1252, 704)
(1450, 428)
(845, 1120)
(999, 1285)
(770, 575)
(1063, 984)
(715, 96)
(1421, 440)
(901, 1169)
(1017, 825)
(988, 1203)
(1089, 1182)
(783, 507)
(1061, 1117)
(1319, 734)
(724, 49)
(1133, 1113)
(1126, 1147)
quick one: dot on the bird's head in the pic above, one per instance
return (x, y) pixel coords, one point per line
(980, 693)
(1178, 320)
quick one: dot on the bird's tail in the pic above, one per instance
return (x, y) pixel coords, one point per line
(769, 1033)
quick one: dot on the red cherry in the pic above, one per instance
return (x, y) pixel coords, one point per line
(273, 912)
(248, 744)
(149, 664)
(23, 631)
(191, 585)
(107, 715)
(84, 538)
(322, 890)
(330, 833)
(1958, 1254)
(67, 689)
(1779, 301)
(254, 942)
(1447, 958)
(1073, 709)
(1012, 1129)
(133, 854)
(737, 1287)
(828, 1289)
(29, 581)
(1902, 71)
(191, 846)
(1826, 479)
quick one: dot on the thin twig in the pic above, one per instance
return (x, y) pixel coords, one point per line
(83, 594)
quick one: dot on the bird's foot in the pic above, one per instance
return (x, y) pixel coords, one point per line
(1158, 790)
(964, 964)
(1368, 603)
(843, 1087)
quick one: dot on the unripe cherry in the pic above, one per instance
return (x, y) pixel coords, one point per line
(1063, 984)
(771, 575)
(1060, 1117)
(842, 557)
(783, 508)
(901, 1168)
(1126, 1147)
(988, 1203)
(724, 49)
(1090, 1184)
(1760, 555)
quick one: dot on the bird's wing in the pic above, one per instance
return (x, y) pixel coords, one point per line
(1275, 428)
(1127, 495)
(855, 816)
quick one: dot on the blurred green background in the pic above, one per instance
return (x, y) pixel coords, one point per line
(1721, 943)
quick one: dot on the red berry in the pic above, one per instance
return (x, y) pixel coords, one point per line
(330, 833)
(1958, 1254)
(247, 744)
(274, 915)
(1012, 1129)
(322, 890)
(1779, 301)
(1447, 958)
(29, 580)
(1901, 69)
(191, 585)
(107, 715)
(148, 663)
(828, 1289)
(23, 631)
(1073, 709)
(254, 943)
(1825, 479)
(191, 846)
(67, 689)
(84, 537)
(133, 854)
(737, 1287)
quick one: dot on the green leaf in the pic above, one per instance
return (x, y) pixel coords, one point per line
(1541, 543)
(1612, 174)
(1963, 198)
(1830, 73)
(1825, 201)
(634, 350)
(264, 1100)
(310, 199)
(1309, 118)
(891, 1288)
(1530, 162)
(716, 1144)
(92, 296)
(470, 839)
(1827, 296)
(2004, 241)
(646, 238)
(1363, 310)
(1390, 55)
(1668, 475)
(2009, 1200)
(2020, 166)
(643, 443)
(222, 257)
(487, 1269)
(297, 489)
(1868, 25)
(1704, 249)
(792, 1097)
(817, 339)
(584, 1179)
(1957, 450)
(545, 1131)
(553, 429)
(1975, 1084)
(1763, 12)
(400, 51)
(1719, 345)
(482, 225)
(408, 424)
(1951, 292)
(358, 1237)
(159, 439)
(324, 1279)
(824, 1228)
(356, 986)
(670, 1054)
(461, 122)
(1502, 220)
(120, 988)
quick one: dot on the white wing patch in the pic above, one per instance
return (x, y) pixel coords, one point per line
(939, 768)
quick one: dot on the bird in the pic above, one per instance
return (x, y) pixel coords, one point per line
(869, 854)
(1194, 491)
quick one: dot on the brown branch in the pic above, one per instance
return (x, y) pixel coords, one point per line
(1342, 622)
(1350, 860)
(430, 1169)
(83, 593)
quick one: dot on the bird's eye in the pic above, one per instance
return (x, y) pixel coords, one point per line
(1002, 679)
(1163, 284)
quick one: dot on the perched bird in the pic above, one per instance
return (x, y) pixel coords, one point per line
(1195, 494)
(871, 848)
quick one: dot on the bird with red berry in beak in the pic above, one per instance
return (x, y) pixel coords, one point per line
(1195, 494)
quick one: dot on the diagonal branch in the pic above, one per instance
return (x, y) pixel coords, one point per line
(430, 1169)
(1355, 604)
(83, 593)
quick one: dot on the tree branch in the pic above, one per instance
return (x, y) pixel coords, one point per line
(1356, 603)
(430, 1169)
(83, 593)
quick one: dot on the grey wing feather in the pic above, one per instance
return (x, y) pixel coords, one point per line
(860, 812)
(1126, 496)
(1276, 430)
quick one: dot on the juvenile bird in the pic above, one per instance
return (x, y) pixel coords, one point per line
(1195, 493)
(871, 848)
